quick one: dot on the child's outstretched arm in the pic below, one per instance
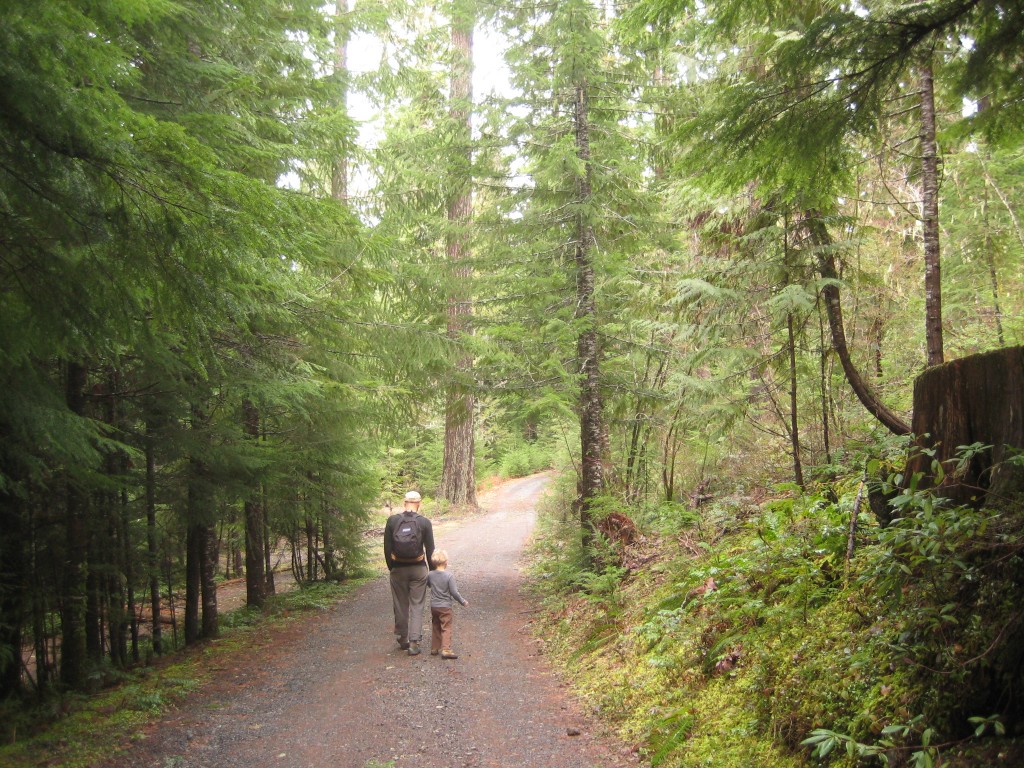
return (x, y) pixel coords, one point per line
(454, 590)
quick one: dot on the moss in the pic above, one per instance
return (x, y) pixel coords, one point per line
(733, 656)
(727, 730)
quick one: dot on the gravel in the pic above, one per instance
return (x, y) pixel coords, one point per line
(333, 689)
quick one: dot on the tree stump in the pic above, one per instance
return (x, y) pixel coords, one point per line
(977, 399)
(618, 529)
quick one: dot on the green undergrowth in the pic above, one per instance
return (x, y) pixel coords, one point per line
(743, 636)
(78, 731)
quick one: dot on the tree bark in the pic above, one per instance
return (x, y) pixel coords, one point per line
(990, 261)
(193, 577)
(255, 578)
(973, 400)
(73, 650)
(822, 241)
(269, 587)
(670, 451)
(13, 589)
(794, 433)
(458, 475)
(638, 428)
(591, 417)
(152, 561)
(930, 218)
(310, 549)
(339, 173)
(201, 564)
(208, 580)
(823, 383)
(119, 552)
(330, 562)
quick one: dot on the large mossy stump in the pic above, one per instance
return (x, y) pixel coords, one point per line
(977, 399)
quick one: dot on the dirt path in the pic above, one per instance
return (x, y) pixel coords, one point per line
(334, 690)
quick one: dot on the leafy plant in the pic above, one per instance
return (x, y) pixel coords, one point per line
(913, 738)
(669, 733)
(894, 738)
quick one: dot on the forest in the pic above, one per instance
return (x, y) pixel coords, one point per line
(748, 276)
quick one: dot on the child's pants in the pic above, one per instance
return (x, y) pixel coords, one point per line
(441, 634)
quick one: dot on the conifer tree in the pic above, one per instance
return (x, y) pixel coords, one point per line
(458, 478)
(574, 223)
(153, 246)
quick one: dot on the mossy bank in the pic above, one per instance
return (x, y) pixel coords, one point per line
(768, 632)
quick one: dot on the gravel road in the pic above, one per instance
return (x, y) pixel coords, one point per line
(334, 690)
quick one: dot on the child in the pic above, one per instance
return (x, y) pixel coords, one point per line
(442, 592)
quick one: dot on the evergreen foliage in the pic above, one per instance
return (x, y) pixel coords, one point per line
(155, 279)
(212, 344)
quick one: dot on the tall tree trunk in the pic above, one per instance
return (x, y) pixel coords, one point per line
(310, 548)
(129, 574)
(40, 613)
(822, 241)
(255, 578)
(794, 434)
(669, 453)
(201, 560)
(73, 650)
(13, 592)
(117, 616)
(152, 559)
(591, 416)
(255, 560)
(990, 261)
(93, 601)
(794, 425)
(200, 579)
(823, 383)
(208, 579)
(171, 607)
(877, 335)
(119, 552)
(930, 211)
(458, 476)
(640, 431)
(193, 577)
(339, 173)
(330, 562)
(296, 562)
(269, 587)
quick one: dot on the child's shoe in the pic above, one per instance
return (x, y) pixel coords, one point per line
(447, 653)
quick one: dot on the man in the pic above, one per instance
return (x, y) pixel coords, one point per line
(408, 547)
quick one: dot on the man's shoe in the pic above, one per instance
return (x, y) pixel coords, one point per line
(403, 646)
(414, 649)
(447, 654)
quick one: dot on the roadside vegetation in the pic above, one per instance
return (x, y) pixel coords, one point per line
(77, 730)
(742, 633)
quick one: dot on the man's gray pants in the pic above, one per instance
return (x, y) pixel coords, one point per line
(408, 596)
